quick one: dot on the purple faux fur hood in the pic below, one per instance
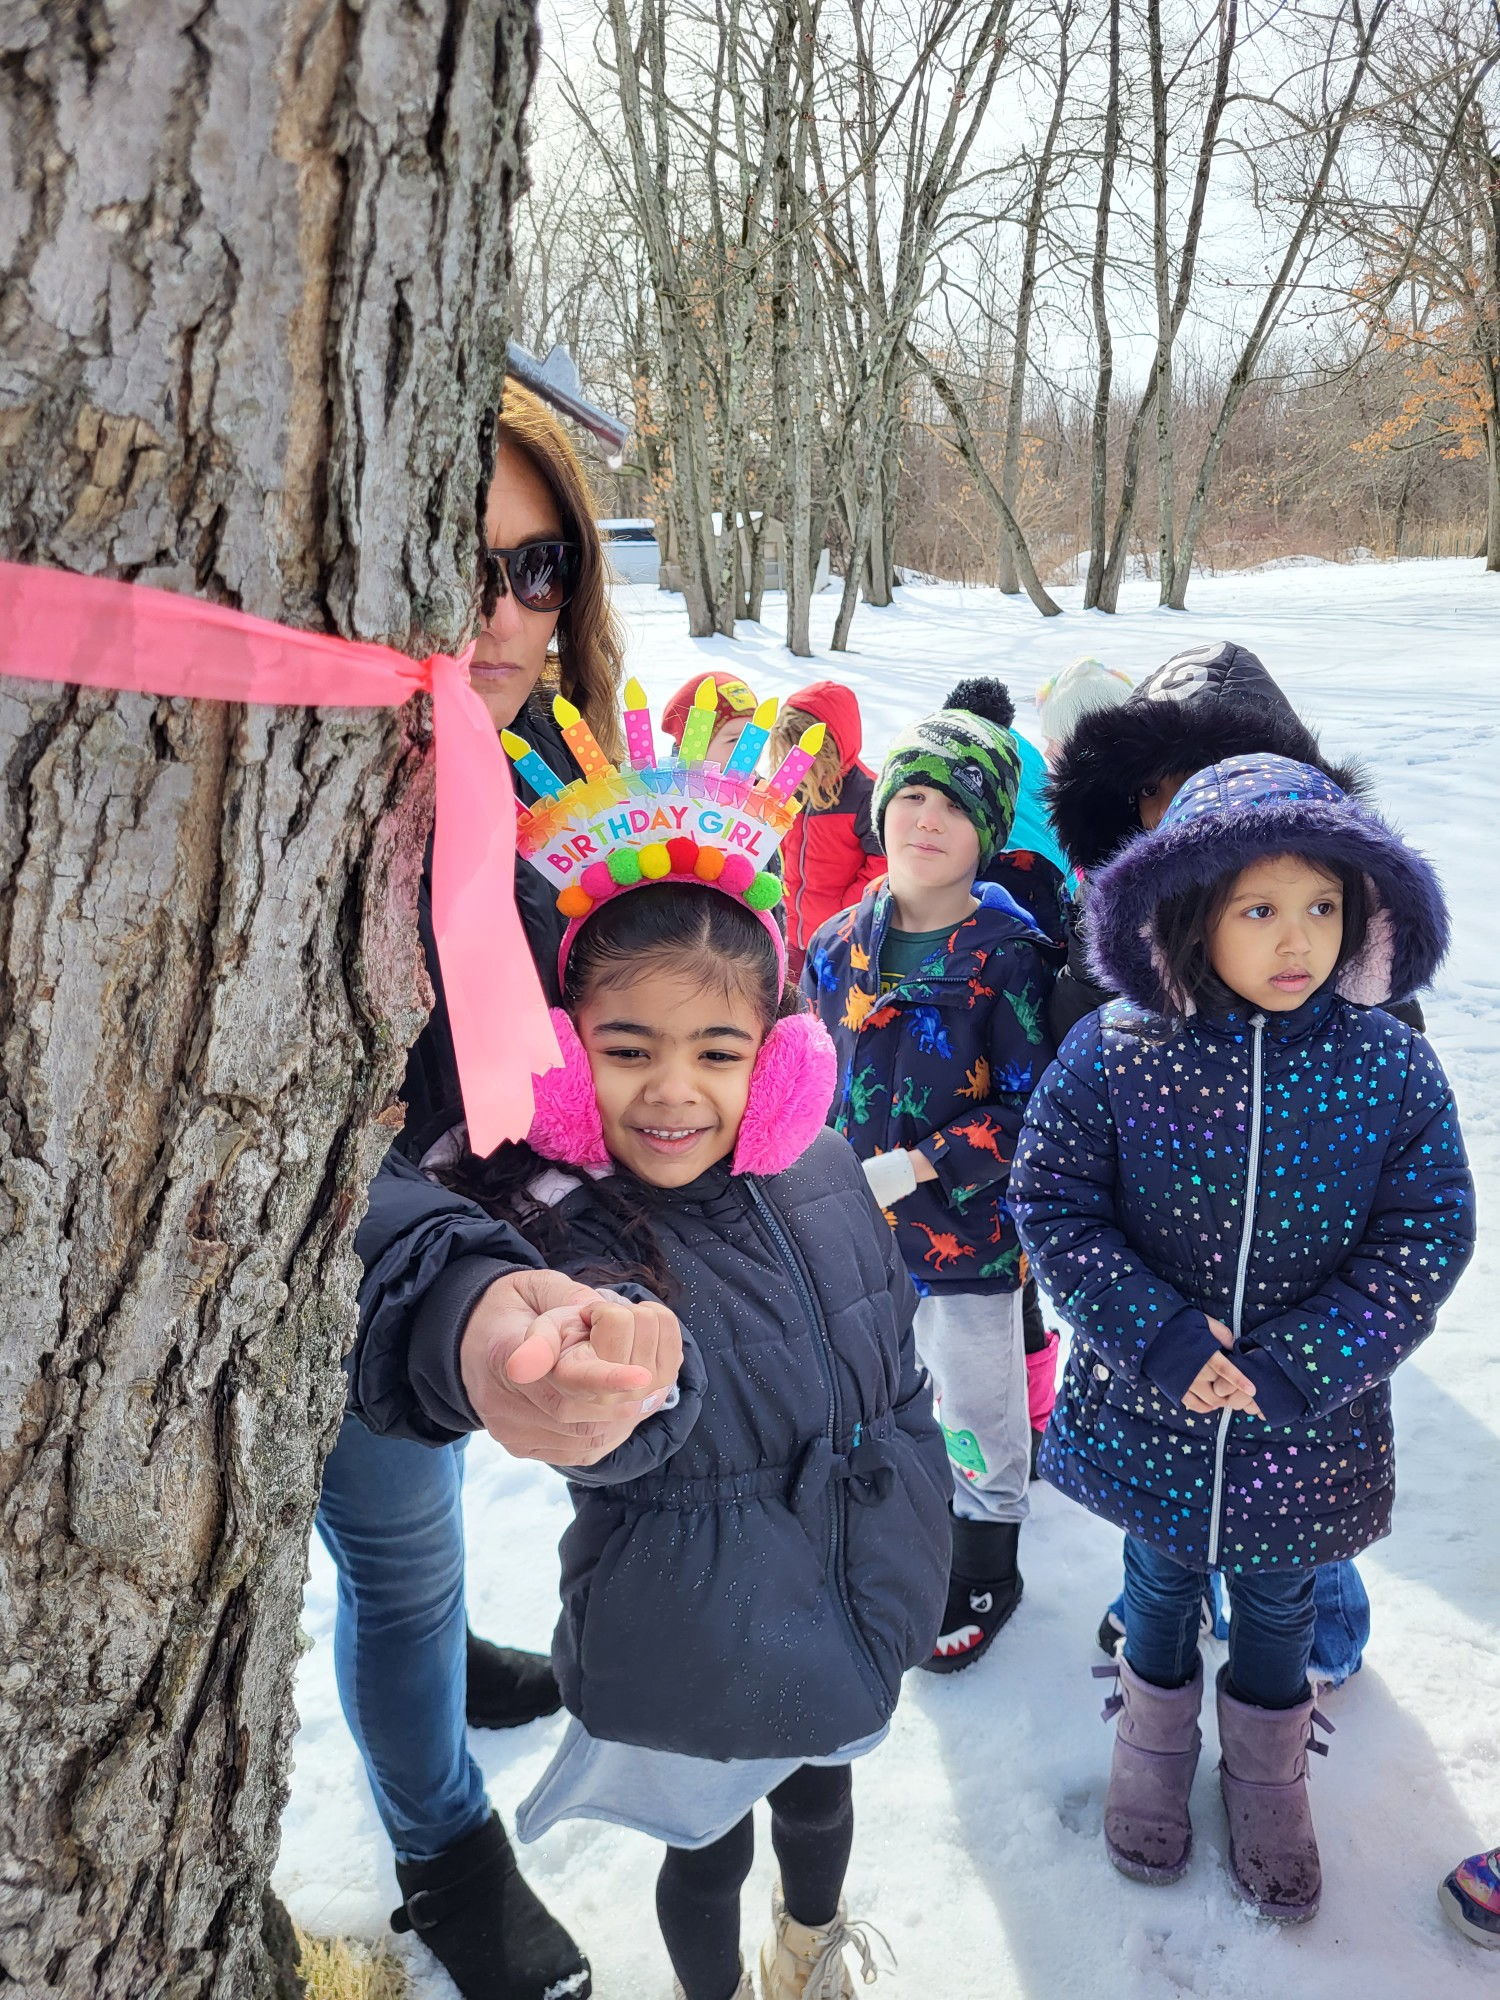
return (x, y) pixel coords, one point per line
(1236, 813)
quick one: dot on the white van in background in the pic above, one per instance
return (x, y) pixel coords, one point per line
(631, 548)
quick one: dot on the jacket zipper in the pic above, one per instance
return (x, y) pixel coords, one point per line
(1247, 1235)
(830, 1429)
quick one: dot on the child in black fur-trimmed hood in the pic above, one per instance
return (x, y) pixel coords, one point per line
(1120, 768)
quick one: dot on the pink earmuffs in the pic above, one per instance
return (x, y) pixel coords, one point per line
(791, 1090)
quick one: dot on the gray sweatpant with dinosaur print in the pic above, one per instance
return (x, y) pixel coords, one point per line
(973, 1345)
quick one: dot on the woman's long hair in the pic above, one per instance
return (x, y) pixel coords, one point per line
(590, 647)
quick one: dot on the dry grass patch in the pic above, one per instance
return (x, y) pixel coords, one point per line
(342, 1969)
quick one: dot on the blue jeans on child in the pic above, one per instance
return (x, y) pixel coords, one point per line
(1341, 1629)
(1270, 1632)
(391, 1518)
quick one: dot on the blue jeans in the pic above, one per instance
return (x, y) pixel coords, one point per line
(390, 1517)
(1270, 1632)
(1341, 1630)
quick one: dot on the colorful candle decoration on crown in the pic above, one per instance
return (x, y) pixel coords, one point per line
(797, 763)
(640, 744)
(700, 723)
(753, 739)
(539, 774)
(580, 739)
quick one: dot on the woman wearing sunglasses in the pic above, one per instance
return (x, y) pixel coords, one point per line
(409, 1672)
(548, 629)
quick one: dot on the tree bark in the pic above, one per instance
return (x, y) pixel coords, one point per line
(251, 348)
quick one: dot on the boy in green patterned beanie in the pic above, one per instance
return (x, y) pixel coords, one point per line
(967, 752)
(934, 989)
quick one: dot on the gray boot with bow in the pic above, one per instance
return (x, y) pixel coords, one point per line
(1146, 1826)
(1273, 1850)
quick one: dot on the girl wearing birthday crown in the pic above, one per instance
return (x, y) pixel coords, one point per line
(748, 1577)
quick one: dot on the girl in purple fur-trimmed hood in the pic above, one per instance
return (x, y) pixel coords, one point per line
(1248, 1196)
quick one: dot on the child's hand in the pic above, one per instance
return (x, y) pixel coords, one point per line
(581, 1388)
(604, 1346)
(1220, 1386)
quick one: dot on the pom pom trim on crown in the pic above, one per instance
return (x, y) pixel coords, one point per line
(678, 860)
(685, 819)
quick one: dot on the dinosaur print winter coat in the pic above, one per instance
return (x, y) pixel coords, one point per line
(1298, 1175)
(942, 1065)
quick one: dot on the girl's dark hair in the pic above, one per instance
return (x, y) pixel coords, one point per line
(1185, 924)
(698, 932)
(695, 931)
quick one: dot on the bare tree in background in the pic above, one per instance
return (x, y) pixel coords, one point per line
(1334, 110)
(1420, 203)
(1057, 60)
(908, 127)
(795, 333)
(1104, 346)
(251, 349)
(866, 282)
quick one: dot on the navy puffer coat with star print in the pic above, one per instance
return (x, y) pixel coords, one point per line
(1299, 1176)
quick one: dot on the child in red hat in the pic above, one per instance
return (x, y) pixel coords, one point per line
(734, 708)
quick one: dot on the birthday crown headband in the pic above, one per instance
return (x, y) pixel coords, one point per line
(682, 819)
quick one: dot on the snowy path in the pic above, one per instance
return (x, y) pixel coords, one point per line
(978, 1850)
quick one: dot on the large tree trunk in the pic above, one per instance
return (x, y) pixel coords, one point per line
(251, 348)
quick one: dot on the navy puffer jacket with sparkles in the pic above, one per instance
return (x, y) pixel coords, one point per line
(751, 1573)
(1299, 1176)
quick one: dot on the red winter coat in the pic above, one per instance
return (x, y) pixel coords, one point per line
(831, 855)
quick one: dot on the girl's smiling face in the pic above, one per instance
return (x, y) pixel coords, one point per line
(671, 1059)
(1278, 937)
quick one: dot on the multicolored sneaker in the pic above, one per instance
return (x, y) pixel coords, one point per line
(1470, 1899)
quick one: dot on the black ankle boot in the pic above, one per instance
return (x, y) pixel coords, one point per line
(506, 1687)
(983, 1590)
(485, 1926)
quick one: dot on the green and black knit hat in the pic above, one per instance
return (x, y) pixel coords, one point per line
(965, 751)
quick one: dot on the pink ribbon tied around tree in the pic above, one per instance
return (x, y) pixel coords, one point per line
(95, 632)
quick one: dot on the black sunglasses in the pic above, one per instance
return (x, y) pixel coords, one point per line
(543, 575)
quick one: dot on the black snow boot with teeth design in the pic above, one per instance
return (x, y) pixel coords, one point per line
(984, 1589)
(489, 1930)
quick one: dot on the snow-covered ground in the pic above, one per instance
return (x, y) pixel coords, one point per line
(978, 1849)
